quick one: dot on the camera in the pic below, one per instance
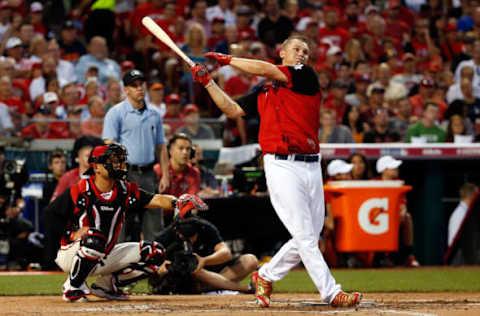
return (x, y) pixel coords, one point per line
(13, 166)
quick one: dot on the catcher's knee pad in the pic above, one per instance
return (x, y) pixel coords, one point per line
(92, 249)
(152, 253)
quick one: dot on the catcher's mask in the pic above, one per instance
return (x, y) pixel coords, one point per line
(113, 157)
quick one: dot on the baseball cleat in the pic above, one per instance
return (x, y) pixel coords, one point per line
(108, 294)
(263, 290)
(75, 296)
(343, 299)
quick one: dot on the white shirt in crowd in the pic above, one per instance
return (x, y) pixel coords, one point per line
(476, 72)
(215, 11)
(456, 220)
(5, 118)
(455, 93)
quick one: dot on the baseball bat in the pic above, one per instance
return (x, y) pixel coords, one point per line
(157, 31)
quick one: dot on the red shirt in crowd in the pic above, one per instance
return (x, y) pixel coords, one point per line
(50, 133)
(15, 103)
(338, 108)
(337, 36)
(67, 180)
(187, 181)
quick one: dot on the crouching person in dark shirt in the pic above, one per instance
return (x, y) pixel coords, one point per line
(200, 260)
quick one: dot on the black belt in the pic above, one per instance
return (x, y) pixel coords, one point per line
(141, 168)
(297, 157)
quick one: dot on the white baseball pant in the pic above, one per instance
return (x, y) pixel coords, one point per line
(296, 193)
(121, 256)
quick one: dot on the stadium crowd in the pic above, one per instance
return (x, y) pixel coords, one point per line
(389, 71)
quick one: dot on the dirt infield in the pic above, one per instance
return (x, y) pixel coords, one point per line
(234, 305)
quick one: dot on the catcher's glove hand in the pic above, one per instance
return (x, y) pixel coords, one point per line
(188, 202)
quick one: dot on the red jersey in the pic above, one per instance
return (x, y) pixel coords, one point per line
(289, 112)
(15, 103)
(337, 36)
(50, 133)
(187, 181)
(68, 179)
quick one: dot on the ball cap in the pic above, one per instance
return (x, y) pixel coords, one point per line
(132, 76)
(190, 108)
(387, 162)
(49, 97)
(338, 166)
(127, 65)
(172, 98)
(13, 42)
(36, 7)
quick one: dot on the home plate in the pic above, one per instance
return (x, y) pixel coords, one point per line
(312, 303)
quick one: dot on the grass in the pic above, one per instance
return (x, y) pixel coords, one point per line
(386, 280)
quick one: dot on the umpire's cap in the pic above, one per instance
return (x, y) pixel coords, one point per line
(132, 76)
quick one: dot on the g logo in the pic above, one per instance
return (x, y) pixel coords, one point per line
(371, 222)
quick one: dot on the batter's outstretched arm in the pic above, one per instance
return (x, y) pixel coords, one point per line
(251, 66)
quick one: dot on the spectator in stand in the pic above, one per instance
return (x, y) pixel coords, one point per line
(426, 130)
(457, 130)
(381, 133)
(387, 167)
(71, 47)
(92, 88)
(198, 10)
(82, 147)
(184, 178)
(37, 86)
(193, 128)
(65, 69)
(408, 77)
(156, 95)
(16, 106)
(336, 102)
(244, 19)
(375, 93)
(5, 18)
(274, 28)
(195, 48)
(36, 18)
(70, 96)
(361, 168)
(354, 122)
(384, 74)
(332, 61)
(14, 49)
(100, 20)
(467, 50)
(467, 193)
(173, 115)
(231, 37)
(402, 119)
(57, 165)
(359, 97)
(94, 124)
(324, 81)
(98, 55)
(58, 111)
(425, 93)
(114, 93)
(218, 33)
(474, 63)
(222, 10)
(354, 53)
(74, 119)
(330, 132)
(455, 90)
(395, 26)
(208, 181)
(332, 33)
(422, 43)
(38, 48)
(41, 128)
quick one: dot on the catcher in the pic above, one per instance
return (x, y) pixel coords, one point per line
(200, 260)
(92, 213)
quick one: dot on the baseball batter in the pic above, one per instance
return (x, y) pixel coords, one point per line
(289, 111)
(92, 212)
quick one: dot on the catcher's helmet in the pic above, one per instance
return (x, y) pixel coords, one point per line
(108, 155)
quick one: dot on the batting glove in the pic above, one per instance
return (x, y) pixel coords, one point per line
(221, 58)
(188, 202)
(200, 74)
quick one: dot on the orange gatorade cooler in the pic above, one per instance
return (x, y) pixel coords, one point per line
(367, 214)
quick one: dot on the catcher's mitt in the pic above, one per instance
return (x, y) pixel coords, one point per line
(188, 202)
